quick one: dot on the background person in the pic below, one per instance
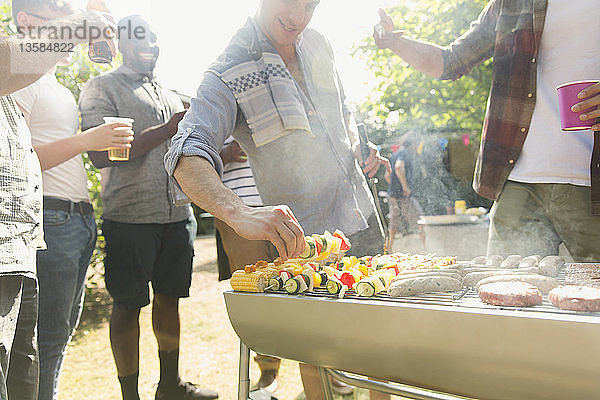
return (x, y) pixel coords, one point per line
(148, 239)
(69, 224)
(21, 231)
(276, 90)
(539, 177)
(404, 207)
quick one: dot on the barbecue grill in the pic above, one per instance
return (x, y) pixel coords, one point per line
(449, 343)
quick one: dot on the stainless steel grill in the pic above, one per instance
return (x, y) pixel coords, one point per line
(452, 343)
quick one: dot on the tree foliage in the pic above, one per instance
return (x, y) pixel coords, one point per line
(403, 100)
(415, 101)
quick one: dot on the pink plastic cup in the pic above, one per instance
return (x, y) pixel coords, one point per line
(567, 97)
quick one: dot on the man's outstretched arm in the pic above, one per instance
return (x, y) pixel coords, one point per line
(200, 182)
(423, 56)
(451, 62)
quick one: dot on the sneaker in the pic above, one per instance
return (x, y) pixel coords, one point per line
(268, 380)
(185, 391)
(261, 394)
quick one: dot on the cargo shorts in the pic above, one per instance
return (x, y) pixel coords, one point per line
(138, 254)
(535, 218)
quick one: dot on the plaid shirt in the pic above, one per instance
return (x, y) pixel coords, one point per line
(510, 31)
(20, 193)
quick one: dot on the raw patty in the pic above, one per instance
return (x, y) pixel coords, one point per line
(510, 294)
(543, 283)
(583, 274)
(423, 285)
(576, 298)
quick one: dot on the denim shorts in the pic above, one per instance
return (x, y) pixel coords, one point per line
(137, 254)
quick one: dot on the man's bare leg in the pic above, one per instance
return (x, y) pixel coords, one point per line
(124, 341)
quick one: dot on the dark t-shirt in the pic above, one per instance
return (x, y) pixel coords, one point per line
(395, 187)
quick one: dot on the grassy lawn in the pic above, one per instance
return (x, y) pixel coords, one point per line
(209, 346)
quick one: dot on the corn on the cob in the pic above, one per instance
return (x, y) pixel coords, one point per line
(254, 282)
(269, 271)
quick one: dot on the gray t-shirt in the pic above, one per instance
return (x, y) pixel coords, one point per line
(136, 191)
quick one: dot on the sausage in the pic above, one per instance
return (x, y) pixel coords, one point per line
(427, 274)
(529, 270)
(549, 266)
(530, 261)
(511, 261)
(479, 260)
(472, 278)
(430, 270)
(494, 261)
(543, 283)
(423, 285)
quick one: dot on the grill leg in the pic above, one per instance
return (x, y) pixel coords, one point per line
(244, 372)
(326, 383)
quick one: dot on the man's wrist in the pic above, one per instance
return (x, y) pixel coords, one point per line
(232, 213)
(225, 155)
(398, 44)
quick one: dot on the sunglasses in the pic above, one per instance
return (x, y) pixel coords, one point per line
(39, 17)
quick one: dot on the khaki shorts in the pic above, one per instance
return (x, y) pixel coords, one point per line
(535, 218)
(404, 214)
(234, 251)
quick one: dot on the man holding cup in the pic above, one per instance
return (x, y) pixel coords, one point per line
(540, 177)
(148, 239)
(69, 223)
(21, 231)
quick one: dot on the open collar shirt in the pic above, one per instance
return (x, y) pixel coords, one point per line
(135, 191)
(315, 174)
(20, 193)
(509, 31)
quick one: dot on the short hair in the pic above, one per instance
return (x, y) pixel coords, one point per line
(34, 5)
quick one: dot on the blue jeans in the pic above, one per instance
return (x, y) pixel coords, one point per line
(18, 348)
(61, 270)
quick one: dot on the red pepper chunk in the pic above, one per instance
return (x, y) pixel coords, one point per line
(319, 245)
(345, 245)
(347, 279)
(394, 267)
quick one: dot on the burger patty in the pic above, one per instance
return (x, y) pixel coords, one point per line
(510, 294)
(576, 298)
(583, 274)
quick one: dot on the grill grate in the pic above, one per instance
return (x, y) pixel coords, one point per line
(467, 298)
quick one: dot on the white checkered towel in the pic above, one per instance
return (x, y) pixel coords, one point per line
(266, 92)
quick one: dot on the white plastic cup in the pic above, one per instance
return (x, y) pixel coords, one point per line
(118, 154)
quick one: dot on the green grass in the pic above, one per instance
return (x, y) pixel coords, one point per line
(209, 347)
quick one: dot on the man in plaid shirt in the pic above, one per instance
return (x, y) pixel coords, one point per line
(540, 178)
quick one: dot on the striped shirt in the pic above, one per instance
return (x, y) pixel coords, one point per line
(239, 178)
(20, 193)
